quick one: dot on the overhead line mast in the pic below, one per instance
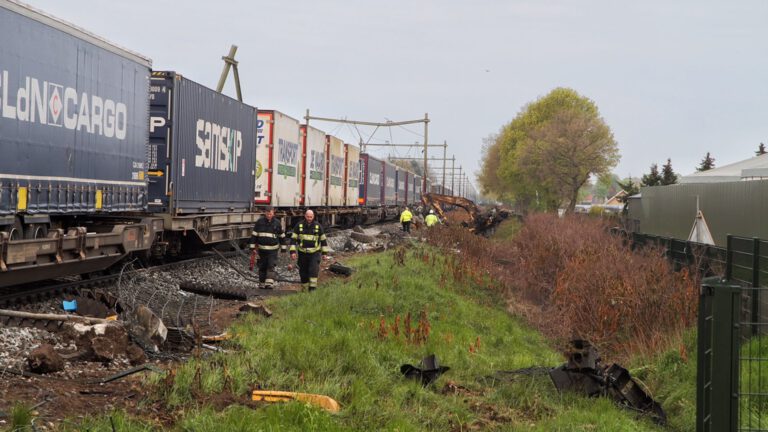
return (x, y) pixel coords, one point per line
(425, 120)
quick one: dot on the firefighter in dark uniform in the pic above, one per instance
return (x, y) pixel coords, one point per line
(267, 238)
(308, 239)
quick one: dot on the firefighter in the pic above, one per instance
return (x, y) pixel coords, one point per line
(267, 238)
(431, 219)
(405, 219)
(309, 240)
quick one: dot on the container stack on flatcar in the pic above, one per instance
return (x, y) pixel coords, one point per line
(352, 174)
(313, 167)
(389, 197)
(334, 180)
(279, 144)
(74, 143)
(105, 159)
(416, 186)
(202, 148)
(402, 187)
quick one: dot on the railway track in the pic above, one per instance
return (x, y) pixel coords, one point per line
(92, 289)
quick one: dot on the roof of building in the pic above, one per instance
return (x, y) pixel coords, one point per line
(748, 169)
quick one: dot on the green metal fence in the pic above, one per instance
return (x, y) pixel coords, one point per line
(732, 376)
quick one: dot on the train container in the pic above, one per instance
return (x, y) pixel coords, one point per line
(371, 181)
(313, 172)
(73, 137)
(335, 168)
(352, 175)
(389, 197)
(416, 186)
(202, 149)
(278, 145)
(402, 187)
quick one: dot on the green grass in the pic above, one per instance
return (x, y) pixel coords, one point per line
(671, 376)
(328, 342)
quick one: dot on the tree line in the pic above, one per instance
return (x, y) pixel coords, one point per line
(545, 156)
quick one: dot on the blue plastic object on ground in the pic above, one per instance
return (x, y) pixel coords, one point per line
(70, 306)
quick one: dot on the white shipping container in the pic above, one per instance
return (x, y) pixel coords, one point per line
(334, 180)
(279, 145)
(352, 175)
(313, 143)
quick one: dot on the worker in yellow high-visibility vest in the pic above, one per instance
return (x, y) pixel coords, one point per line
(405, 218)
(431, 219)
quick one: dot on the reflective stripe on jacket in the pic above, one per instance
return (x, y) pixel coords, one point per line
(267, 235)
(309, 238)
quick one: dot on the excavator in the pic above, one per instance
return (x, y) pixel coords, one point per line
(479, 222)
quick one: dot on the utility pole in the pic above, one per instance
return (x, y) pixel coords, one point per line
(426, 140)
(385, 124)
(452, 174)
(230, 62)
(445, 147)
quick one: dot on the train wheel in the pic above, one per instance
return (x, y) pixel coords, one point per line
(15, 231)
(36, 231)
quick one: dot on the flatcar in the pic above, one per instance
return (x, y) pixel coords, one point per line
(104, 158)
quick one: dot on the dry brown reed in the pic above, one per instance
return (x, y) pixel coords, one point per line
(568, 277)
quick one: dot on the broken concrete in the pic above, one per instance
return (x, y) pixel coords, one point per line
(101, 342)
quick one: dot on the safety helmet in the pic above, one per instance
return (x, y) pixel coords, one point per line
(431, 212)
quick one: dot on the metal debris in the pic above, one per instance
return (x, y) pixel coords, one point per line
(341, 269)
(583, 374)
(430, 370)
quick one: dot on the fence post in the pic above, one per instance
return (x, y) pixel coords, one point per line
(717, 379)
(755, 297)
(704, 360)
(728, 258)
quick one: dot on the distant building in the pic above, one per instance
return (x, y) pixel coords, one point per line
(754, 168)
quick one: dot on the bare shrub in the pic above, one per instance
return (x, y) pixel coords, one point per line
(576, 280)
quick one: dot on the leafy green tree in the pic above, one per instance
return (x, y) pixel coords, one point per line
(706, 164)
(760, 150)
(668, 176)
(631, 188)
(607, 185)
(652, 178)
(550, 149)
(488, 177)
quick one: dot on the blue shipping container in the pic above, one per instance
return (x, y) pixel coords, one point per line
(73, 118)
(371, 181)
(202, 152)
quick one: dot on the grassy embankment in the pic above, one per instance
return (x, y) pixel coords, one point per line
(333, 342)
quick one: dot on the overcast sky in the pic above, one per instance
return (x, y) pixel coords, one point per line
(671, 78)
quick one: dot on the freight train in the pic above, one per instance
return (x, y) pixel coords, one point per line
(102, 158)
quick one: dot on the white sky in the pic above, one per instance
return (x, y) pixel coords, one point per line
(671, 78)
